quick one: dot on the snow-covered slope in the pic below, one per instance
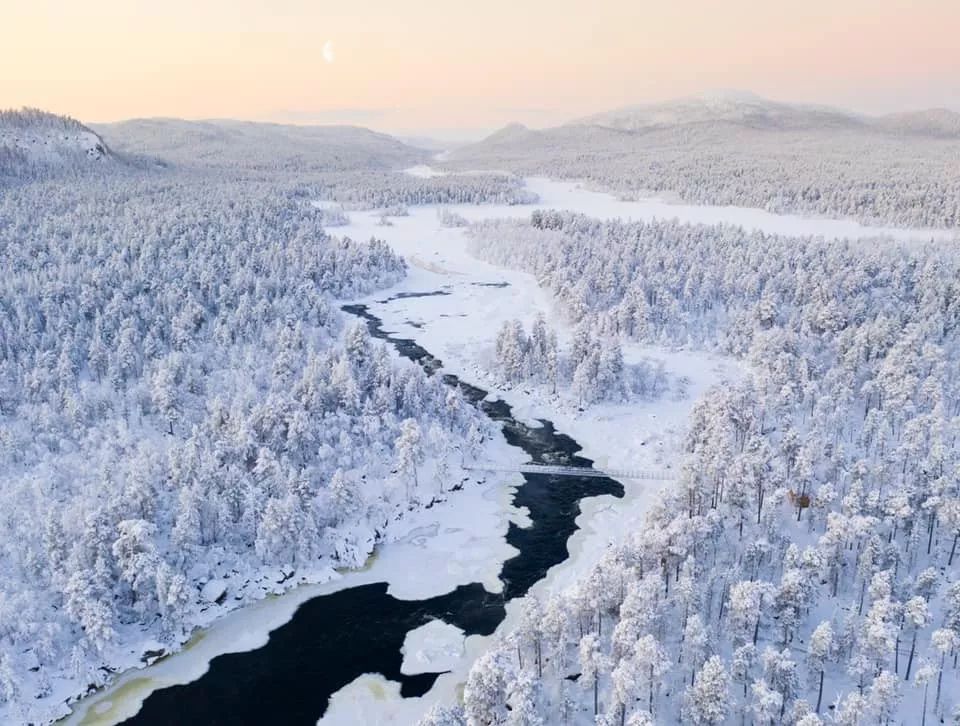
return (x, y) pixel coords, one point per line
(33, 141)
(933, 122)
(743, 150)
(261, 145)
(750, 110)
(730, 106)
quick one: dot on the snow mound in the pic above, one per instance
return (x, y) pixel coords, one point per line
(737, 107)
(432, 648)
(214, 591)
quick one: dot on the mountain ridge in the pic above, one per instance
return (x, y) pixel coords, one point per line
(256, 144)
(746, 109)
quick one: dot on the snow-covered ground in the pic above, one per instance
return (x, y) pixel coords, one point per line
(464, 539)
(422, 171)
(458, 325)
(575, 197)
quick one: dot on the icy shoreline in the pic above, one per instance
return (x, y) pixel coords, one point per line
(469, 522)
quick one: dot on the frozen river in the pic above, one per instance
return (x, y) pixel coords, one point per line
(381, 645)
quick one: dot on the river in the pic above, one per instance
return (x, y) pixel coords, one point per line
(333, 639)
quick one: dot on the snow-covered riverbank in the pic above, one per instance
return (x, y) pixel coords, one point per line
(414, 560)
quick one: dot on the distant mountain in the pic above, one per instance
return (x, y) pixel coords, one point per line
(429, 143)
(740, 149)
(508, 134)
(751, 111)
(34, 143)
(732, 119)
(934, 122)
(737, 107)
(263, 146)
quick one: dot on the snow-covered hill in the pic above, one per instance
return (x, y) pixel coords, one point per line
(750, 110)
(729, 106)
(33, 142)
(264, 146)
(933, 122)
(743, 150)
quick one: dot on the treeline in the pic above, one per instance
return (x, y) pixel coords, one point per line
(592, 368)
(377, 190)
(877, 178)
(34, 118)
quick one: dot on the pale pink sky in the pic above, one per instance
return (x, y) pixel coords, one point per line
(428, 65)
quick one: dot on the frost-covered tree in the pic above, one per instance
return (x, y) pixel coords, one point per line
(484, 697)
(707, 700)
(819, 652)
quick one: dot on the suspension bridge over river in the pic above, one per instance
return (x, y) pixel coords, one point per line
(559, 470)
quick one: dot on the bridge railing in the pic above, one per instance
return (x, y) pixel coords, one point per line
(559, 470)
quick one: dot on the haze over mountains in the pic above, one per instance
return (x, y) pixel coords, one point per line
(726, 110)
(739, 149)
(750, 110)
(37, 137)
(723, 148)
(35, 143)
(261, 145)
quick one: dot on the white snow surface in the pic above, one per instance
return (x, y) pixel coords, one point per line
(459, 328)
(422, 171)
(214, 590)
(463, 540)
(572, 196)
(416, 562)
(436, 646)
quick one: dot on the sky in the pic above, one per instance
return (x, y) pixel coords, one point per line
(453, 68)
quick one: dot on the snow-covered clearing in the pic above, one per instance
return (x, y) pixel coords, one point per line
(423, 171)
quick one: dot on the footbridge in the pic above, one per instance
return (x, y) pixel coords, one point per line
(559, 470)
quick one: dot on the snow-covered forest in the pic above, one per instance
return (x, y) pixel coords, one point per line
(189, 422)
(592, 370)
(374, 190)
(900, 172)
(353, 166)
(803, 570)
(182, 403)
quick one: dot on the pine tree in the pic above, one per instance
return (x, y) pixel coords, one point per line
(409, 452)
(707, 700)
(165, 393)
(819, 651)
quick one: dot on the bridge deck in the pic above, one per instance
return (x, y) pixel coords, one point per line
(557, 470)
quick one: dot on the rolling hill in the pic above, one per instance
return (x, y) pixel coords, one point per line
(36, 143)
(263, 146)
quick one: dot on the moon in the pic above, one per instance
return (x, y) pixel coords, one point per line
(327, 52)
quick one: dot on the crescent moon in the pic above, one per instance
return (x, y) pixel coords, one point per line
(327, 52)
